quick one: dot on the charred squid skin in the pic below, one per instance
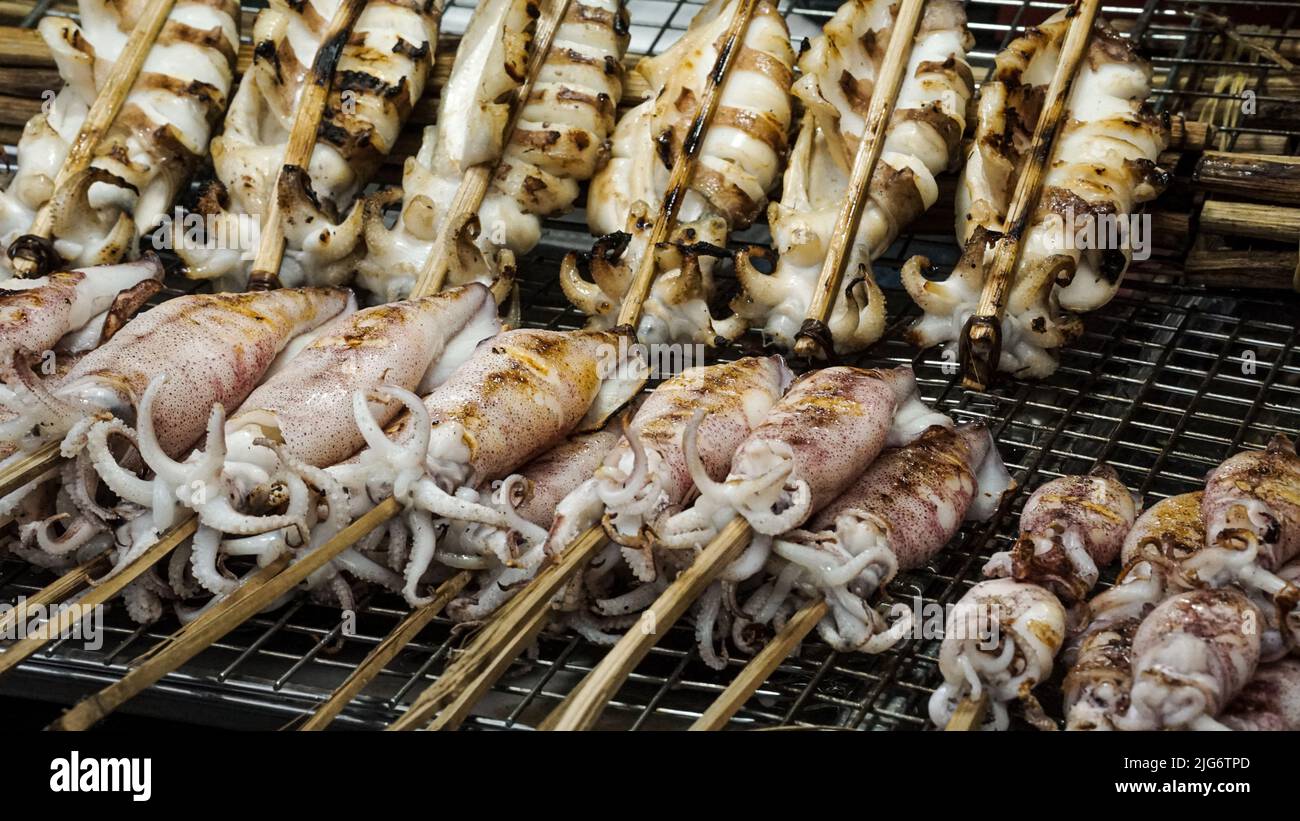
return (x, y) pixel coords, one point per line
(1000, 638)
(1191, 656)
(1271, 701)
(1069, 529)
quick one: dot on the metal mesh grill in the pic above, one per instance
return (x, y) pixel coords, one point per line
(1165, 383)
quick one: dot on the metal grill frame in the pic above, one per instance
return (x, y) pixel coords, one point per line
(1166, 382)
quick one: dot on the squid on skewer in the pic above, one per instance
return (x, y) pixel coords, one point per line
(559, 140)
(1100, 658)
(381, 73)
(1069, 529)
(737, 165)
(1271, 701)
(163, 373)
(838, 74)
(160, 134)
(1081, 237)
(896, 516)
(520, 394)
(1001, 637)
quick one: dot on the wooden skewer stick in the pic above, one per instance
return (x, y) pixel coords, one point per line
(56, 591)
(302, 140)
(969, 714)
(679, 178)
(96, 596)
(30, 467)
(814, 338)
(198, 635)
(762, 665)
(588, 700)
(98, 120)
(497, 646)
(981, 341)
(474, 183)
(384, 652)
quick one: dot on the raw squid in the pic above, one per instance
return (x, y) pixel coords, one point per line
(164, 371)
(517, 396)
(1191, 656)
(381, 73)
(815, 441)
(897, 516)
(159, 136)
(305, 409)
(537, 495)
(1100, 659)
(473, 114)
(1077, 243)
(1001, 637)
(1271, 701)
(1251, 511)
(70, 310)
(838, 75)
(737, 166)
(1069, 528)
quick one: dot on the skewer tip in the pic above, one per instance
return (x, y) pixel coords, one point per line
(814, 340)
(980, 350)
(33, 255)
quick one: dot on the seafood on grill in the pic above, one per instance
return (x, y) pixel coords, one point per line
(518, 395)
(838, 73)
(1069, 529)
(1271, 701)
(156, 385)
(1001, 639)
(1099, 657)
(146, 156)
(381, 73)
(1191, 657)
(901, 511)
(559, 140)
(737, 165)
(304, 412)
(1081, 237)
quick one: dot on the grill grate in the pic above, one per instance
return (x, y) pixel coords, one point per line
(1166, 382)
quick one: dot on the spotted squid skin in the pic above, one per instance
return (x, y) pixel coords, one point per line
(1070, 528)
(558, 472)
(1169, 531)
(213, 348)
(1271, 701)
(1191, 656)
(309, 403)
(1255, 495)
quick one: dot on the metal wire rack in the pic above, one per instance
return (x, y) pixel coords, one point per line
(1166, 382)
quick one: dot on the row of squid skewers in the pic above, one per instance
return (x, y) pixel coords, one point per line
(275, 417)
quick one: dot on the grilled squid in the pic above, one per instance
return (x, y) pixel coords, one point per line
(1191, 656)
(381, 73)
(1069, 529)
(538, 496)
(519, 394)
(838, 75)
(1100, 658)
(737, 165)
(1079, 241)
(1271, 701)
(145, 158)
(473, 114)
(999, 639)
(169, 372)
(906, 506)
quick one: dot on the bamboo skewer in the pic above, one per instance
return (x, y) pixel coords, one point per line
(814, 338)
(64, 586)
(259, 592)
(384, 652)
(30, 467)
(679, 178)
(32, 254)
(474, 184)
(588, 700)
(96, 596)
(969, 714)
(494, 649)
(762, 665)
(302, 141)
(981, 340)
